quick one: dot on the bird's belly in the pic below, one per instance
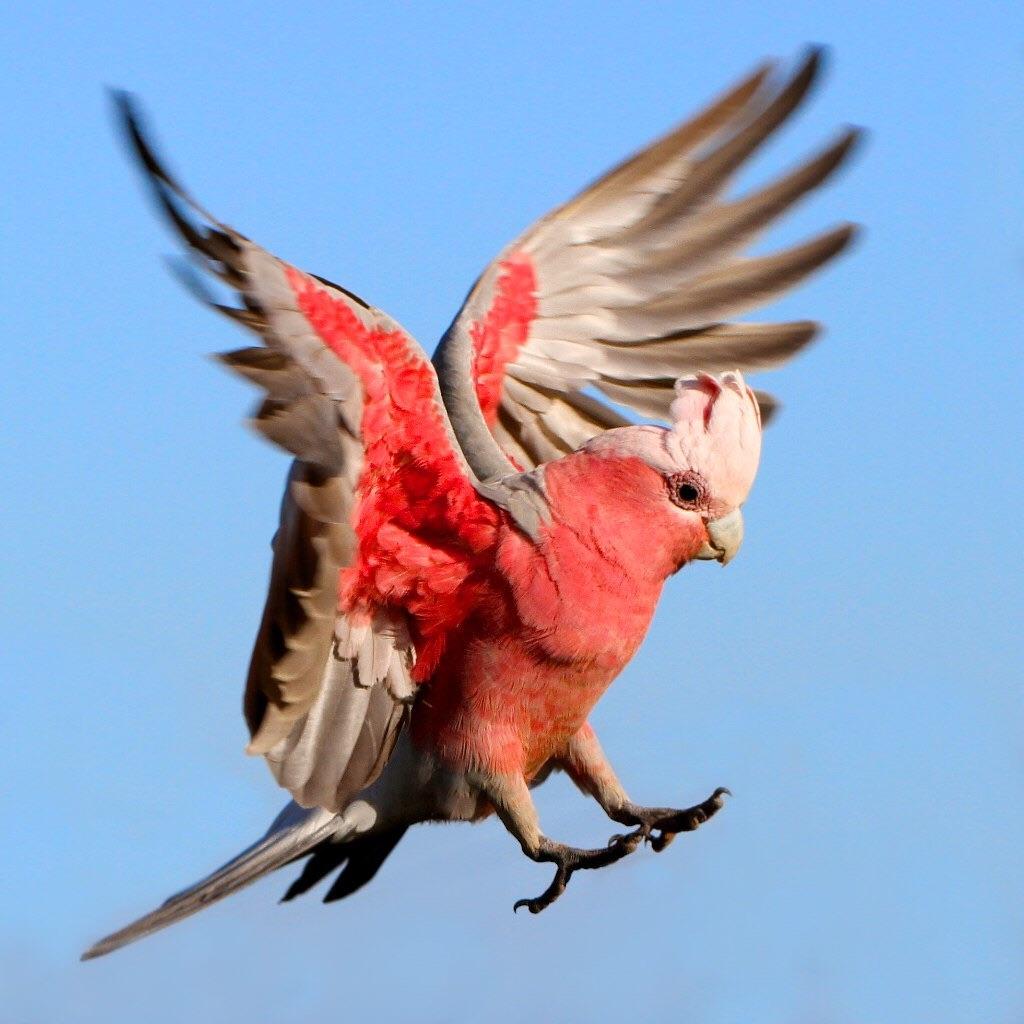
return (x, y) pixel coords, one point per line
(515, 685)
(557, 711)
(508, 708)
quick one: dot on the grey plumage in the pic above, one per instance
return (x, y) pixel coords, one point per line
(324, 714)
(293, 833)
(633, 278)
(359, 859)
(635, 275)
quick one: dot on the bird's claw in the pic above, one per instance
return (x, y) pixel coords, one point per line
(655, 825)
(660, 825)
(569, 859)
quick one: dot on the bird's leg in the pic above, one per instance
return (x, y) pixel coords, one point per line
(586, 764)
(514, 805)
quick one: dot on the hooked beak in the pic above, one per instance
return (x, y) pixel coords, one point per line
(725, 536)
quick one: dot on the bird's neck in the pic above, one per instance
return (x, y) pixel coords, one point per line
(586, 592)
(614, 509)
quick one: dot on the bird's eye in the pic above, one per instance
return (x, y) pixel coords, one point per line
(687, 490)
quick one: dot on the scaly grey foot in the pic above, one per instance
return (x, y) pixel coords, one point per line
(668, 822)
(569, 859)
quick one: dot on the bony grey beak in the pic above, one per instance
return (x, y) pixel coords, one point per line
(725, 536)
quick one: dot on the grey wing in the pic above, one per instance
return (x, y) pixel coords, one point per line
(607, 300)
(325, 698)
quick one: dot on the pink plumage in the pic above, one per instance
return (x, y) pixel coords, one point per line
(470, 550)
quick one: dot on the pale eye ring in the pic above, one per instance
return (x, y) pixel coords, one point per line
(687, 490)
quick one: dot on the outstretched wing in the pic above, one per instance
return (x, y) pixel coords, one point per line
(382, 526)
(613, 296)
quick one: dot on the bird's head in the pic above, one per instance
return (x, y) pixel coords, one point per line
(706, 461)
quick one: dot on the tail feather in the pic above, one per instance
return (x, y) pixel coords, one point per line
(361, 857)
(294, 832)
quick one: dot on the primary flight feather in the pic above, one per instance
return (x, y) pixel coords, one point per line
(471, 549)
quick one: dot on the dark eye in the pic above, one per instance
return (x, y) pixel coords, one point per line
(687, 490)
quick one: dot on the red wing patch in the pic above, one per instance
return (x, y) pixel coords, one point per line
(424, 533)
(503, 331)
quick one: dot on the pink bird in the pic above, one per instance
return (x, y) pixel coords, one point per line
(470, 550)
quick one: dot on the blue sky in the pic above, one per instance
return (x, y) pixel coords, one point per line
(854, 676)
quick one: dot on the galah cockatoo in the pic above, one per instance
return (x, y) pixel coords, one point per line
(470, 550)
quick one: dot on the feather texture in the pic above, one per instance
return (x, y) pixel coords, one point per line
(410, 552)
(380, 506)
(295, 832)
(625, 288)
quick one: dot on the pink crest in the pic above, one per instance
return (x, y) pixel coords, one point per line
(716, 428)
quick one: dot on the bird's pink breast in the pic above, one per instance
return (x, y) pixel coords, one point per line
(559, 623)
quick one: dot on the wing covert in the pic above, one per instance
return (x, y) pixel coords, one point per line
(606, 301)
(381, 514)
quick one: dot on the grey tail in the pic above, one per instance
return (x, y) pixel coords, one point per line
(295, 832)
(361, 857)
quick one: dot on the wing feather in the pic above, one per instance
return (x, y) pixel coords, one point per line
(352, 397)
(632, 283)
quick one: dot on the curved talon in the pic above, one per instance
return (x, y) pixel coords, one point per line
(549, 895)
(570, 859)
(663, 824)
(655, 825)
(641, 834)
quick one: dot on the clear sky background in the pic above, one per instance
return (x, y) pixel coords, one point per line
(855, 676)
